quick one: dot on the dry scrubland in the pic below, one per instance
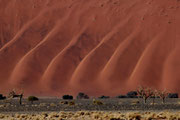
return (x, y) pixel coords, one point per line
(110, 109)
(99, 115)
(90, 109)
(126, 104)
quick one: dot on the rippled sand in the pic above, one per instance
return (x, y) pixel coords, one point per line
(92, 115)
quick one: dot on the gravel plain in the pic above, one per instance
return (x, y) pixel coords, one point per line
(119, 109)
(56, 104)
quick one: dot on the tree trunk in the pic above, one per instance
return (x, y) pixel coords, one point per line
(20, 99)
(145, 100)
(163, 100)
(153, 100)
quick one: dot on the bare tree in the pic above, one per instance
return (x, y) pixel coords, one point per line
(162, 94)
(13, 94)
(154, 95)
(144, 92)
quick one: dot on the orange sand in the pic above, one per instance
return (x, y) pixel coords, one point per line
(95, 46)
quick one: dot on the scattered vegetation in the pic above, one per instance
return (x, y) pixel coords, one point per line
(173, 95)
(52, 104)
(71, 103)
(132, 94)
(82, 95)
(162, 95)
(32, 99)
(97, 102)
(154, 96)
(64, 102)
(2, 97)
(67, 97)
(121, 96)
(134, 102)
(42, 104)
(144, 93)
(141, 92)
(104, 97)
(13, 94)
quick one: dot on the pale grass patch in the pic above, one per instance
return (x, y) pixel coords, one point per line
(94, 115)
(52, 105)
(135, 102)
(153, 103)
(42, 104)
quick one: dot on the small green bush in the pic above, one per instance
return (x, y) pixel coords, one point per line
(32, 99)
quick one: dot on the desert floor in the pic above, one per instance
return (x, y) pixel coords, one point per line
(113, 104)
(111, 109)
(92, 115)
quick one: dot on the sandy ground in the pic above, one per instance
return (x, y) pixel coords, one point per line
(92, 115)
(56, 47)
(110, 109)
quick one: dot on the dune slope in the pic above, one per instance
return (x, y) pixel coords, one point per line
(95, 46)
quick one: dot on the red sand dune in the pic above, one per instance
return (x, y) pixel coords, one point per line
(54, 47)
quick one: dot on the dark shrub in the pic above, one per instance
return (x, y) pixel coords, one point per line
(82, 96)
(32, 99)
(121, 96)
(153, 97)
(104, 97)
(173, 95)
(2, 97)
(67, 97)
(64, 102)
(71, 103)
(97, 102)
(132, 94)
(86, 97)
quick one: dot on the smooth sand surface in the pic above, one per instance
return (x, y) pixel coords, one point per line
(55, 47)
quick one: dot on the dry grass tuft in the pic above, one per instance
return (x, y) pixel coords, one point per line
(135, 102)
(93, 115)
(97, 102)
(64, 102)
(71, 103)
(52, 105)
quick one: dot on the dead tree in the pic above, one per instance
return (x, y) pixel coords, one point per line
(154, 95)
(162, 95)
(12, 94)
(144, 93)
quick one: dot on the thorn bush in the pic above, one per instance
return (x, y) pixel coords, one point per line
(32, 99)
